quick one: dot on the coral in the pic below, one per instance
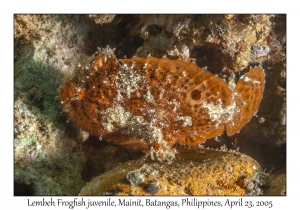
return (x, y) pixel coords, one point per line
(242, 38)
(101, 19)
(156, 42)
(194, 172)
(43, 154)
(33, 28)
(143, 22)
(47, 155)
(159, 102)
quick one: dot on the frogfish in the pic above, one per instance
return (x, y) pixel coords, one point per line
(151, 104)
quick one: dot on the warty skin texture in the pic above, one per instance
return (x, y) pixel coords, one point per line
(143, 103)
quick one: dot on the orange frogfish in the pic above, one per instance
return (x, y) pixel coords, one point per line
(154, 103)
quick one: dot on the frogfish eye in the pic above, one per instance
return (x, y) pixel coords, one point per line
(71, 91)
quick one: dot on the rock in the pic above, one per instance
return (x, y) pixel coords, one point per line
(101, 19)
(45, 159)
(193, 172)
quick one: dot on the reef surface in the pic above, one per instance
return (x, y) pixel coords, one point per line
(193, 172)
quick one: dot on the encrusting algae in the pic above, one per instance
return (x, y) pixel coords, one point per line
(154, 103)
(193, 172)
